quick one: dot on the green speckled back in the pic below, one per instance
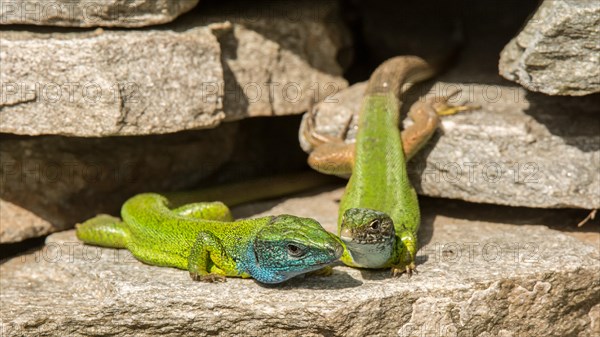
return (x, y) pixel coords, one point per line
(155, 229)
(379, 178)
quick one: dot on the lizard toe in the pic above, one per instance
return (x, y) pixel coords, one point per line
(212, 278)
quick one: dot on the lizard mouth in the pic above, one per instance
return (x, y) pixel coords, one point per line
(313, 266)
(364, 241)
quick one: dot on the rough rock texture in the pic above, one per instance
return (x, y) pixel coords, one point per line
(191, 74)
(63, 180)
(558, 50)
(91, 13)
(17, 223)
(477, 278)
(519, 149)
(554, 141)
(108, 82)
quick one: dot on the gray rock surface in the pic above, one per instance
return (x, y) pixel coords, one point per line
(476, 278)
(519, 149)
(108, 82)
(558, 50)
(90, 13)
(191, 74)
(18, 223)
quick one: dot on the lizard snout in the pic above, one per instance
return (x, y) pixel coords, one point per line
(338, 250)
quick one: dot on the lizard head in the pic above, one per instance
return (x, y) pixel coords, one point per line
(290, 246)
(369, 236)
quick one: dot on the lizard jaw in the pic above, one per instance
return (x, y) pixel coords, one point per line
(372, 254)
(350, 236)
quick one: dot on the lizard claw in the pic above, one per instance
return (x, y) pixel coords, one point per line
(409, 269)
(442, 108)
(210, 278)
(309, 132)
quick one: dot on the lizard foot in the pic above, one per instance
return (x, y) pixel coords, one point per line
(323, 272)
(409, 269)
(442, 108)
(210, 278)
(309, 132)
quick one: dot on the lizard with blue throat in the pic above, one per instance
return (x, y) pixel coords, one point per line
(203, 238)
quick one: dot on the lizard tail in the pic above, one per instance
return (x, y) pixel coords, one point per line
(234, 194)
(103, 230)
(392, 74)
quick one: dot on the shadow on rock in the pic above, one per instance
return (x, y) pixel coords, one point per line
(338, 280)
(573, 119)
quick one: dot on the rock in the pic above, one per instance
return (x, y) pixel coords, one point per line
(18, 224)
(191, 74)
(87, 13)
(108, 82)
(519, 149)
(476, 278)
(557, 52)
(63, 180)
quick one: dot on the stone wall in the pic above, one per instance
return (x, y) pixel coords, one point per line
(102, 100)
(79, 91)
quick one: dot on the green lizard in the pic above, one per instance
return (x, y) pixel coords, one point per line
(379, 212)
(203, 239)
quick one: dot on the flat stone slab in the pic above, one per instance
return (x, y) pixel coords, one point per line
(221, 64)
(557, 52)
(476, 278)
(91, 13)
(518, 149)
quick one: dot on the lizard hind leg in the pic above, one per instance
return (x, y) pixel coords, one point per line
(443, 108)
(103, 230)
(205, 211)
(329, 155)
(426, 117)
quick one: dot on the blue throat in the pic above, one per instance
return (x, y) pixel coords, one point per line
(260, 273)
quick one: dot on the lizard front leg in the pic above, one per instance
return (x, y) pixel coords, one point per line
(209, 261)
(406, 248)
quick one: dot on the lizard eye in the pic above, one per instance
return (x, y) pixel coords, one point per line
(294, 250)
(375, 224)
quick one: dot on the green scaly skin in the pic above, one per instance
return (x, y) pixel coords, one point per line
(379, 212)
(379, 189)
(379, 181)
(203, 239)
